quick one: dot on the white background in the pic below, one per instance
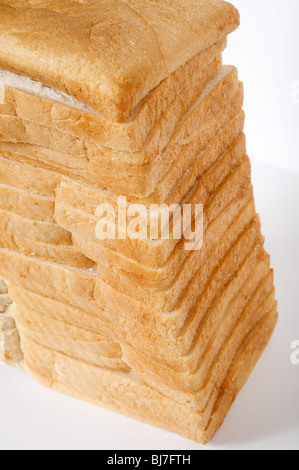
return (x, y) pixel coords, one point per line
(266, 413)
(266, 51)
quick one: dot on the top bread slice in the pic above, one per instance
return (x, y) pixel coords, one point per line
(39, 104)
(108, 54)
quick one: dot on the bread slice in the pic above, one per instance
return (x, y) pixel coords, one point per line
(40, 181)
(182, 354)
(61, 254)
(158, 374)
(182, 142)
(251, 286)
(110, 76)
(14, 128)
(7, 103)
(142, 282)
(10, 350)
(29, 179)
(51, 309)
(195, 160)
(40, 207)
(85, 290)
(248, 354)
(193, 273)
(31, 101)
(69, 340)
(218, 369)
(233, 171)
(127, 395)
(204, 399)
(24, 175)
(20, 202)
(177, 348)
(39, 231)
(236, 330)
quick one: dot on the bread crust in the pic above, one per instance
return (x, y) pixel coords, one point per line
(128, 97)
(20, 202)
(109, 54)
(151, 253)
(68, 339)
(138, 280)
(134, 399)
(38, 231)
(74, 287)
(32, 179)
(61, 254)
(186, 82)
(172, 146)
(10, 350)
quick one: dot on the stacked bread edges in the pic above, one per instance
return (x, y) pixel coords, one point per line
(128, 99)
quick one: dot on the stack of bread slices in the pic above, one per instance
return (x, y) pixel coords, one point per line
(109, 99)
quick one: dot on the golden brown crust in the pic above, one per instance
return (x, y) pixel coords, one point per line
(84, 290)
(172, 146)
(139, 281)
(119, 50)
(134, 399)
(247, 356)
(139, 326)
(68, 339)
(186, 83)
(39, 231)
(155, 254)
(20, 202)
(39, 181)
(61, 254)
